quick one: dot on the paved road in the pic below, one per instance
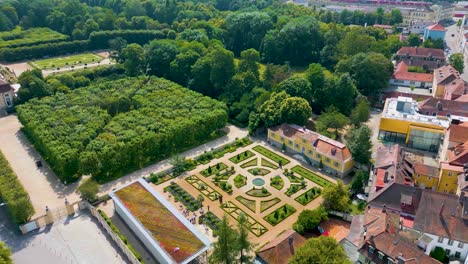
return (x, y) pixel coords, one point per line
(453, 44)
(373, 123)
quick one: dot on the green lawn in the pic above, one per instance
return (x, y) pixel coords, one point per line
(60, 62)
(268, 164)
(311, 176)
(213, 170)
(259, 171)
(264, 205)
(250, 163)
(277, 182)
(309, 196)
(293, 188)
(33, 36)
(280, 214)
(263, 192)
(247, 202)
(242, 156)
(240, 180)
(271, 155)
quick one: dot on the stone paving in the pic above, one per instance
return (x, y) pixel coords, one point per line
(273, 231)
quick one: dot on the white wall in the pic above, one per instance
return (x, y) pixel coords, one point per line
(408, 83)
(453, 248)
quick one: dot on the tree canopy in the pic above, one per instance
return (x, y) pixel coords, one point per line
(336, 197)
(323, 249)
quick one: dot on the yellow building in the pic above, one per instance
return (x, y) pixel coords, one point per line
(449, 178)
(426, 176)
(401, 123)
(333, 156)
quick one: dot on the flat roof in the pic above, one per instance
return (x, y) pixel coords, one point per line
(410, 114)
(171, 234)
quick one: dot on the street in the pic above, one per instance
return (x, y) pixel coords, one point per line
(453, 44)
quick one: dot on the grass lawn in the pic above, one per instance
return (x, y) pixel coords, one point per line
(242, 156)
(259, 171)
(264, 205)
(311, 176)
(271, 155)
(250, 163)
(247, 202)
(292, 178)
(280, 214)
(240, 181)
(18, 37)
(294, 188)
(60, 62)
(277, 182)
(263, 192)
(213, 170)
(309, 196)
(268, 164)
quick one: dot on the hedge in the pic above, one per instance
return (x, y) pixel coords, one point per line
(39, 51)
(100, 39)
(13, 194)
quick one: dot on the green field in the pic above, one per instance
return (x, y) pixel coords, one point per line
(60, 62)
(18, 37)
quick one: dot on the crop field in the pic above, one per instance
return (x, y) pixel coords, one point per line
(18, 37)
(60, 62)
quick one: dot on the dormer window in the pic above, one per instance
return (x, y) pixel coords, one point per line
(371, 250)
(381, 255)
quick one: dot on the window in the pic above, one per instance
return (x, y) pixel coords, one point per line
(381, 255)
(282, 138)
(289, 142)
(318, 156)
(460, 244)
(8, 100)
(311, 152)
(448, 115)
(336, 164)
(457, 254)
(303, 141)
(327, 160)
(440, 240)
(434, 114)
(390, 261)
(447, 251)
(450, 242)
(449, 173)
(371, 249)
(427, 112)
(296, 145)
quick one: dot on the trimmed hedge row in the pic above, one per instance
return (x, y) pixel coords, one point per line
(117, 232)
(13, 194)
(183, 196)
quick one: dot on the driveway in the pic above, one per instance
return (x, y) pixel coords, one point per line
(44, 188)
(373, 123)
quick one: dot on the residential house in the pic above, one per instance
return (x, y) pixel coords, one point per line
(457, 134)
(434, 32)
(387, 28)
(443, 11)
(447, 83)
(425, 176)
(419, 27)
(442, 107)
(280, 249)
(403, 77)
(6, 95)
(432, 218)
(452, 172)
(319, 150)
(428, 59)
(417, 14)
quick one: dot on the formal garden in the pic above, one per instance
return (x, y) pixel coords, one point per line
(66, 61)
(251, 179)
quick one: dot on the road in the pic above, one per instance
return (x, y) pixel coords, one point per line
(453, 44)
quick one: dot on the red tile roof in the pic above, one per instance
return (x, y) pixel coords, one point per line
(380, 178)
(278, 251)
(445, 107)
(416, 52)
(426, 170)
(322, 144)
(463, 98)
(450, 78)
(436, 27)
(459, 155)
(458, 133)
(401, 73)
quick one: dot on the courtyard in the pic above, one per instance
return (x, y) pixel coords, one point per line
(257, 181)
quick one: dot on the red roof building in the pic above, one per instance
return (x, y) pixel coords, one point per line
(403, 77)
(428, 59)
(443, 107)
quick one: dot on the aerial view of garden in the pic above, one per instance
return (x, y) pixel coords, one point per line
(246, 178)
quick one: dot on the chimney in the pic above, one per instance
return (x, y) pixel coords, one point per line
(384, 209)
(333, 151)
(291, 244)
(441, 209)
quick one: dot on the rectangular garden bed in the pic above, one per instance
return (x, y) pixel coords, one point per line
(280, 214)
(311, 176)
(271, 155)
(211, 220)
(183, 196)
(242, 156)
(213, 169)
(309, 196)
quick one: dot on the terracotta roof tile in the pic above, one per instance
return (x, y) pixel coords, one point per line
(421, 52)
(401, 73)
(443, 107)
(278, 251)
(426, 170)
(436, 27)
(458, 133)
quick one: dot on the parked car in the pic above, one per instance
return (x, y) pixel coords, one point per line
(319, 231)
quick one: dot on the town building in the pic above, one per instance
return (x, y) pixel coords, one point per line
(447, 83)
(434, 32)
(457, 134)
(280, 249)
(426, 58)
(419, 27)
(441, 107)
(401, 123)
(163, 230)
(402, 76)
(319, 150)
(443, 11)
(6, 95)
(417, 14)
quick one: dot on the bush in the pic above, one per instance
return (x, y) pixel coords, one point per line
(13, 194)
(38, 51)
(89, 189)
(439, 254)
(309, 219)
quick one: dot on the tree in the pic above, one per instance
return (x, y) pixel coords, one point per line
(32, 86)
(323, 249)
(355, 41)
(181, 66)
(225, 248)
(5, 254)
(361, 112)
(360, 145)
(331, 118)
(457, 61)
(439, 254)
(309, 219)
(336, 197)
(359, 181)
(342, 93)
(413, 40)
(133, 59)
(89, 189)
(243, 244)
(159, 54)
(249, 62)
(295, 110)
(297, 86)
(117, 45)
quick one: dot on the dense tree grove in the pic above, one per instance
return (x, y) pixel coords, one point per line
(112, 127)
(322, 249)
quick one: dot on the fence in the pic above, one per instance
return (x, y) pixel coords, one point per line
(130, 256)
(344, 216)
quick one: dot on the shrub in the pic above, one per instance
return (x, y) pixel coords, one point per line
(89, 189)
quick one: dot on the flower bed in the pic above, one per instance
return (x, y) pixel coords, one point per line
(202, 187)
(291, 177)
(268, 164)
(242, 156)
(294, 188)
(211, 220)
(158, 178)
(263, 192)
(240, 181)
(309, 196)
(250, 204)
(205, 158)
(213, 170)
(259, 171)
(183, 196)
(254, 226)
(280, 214)
(277, 182)
(271, 155)
(159, 221)
(311, 176)
(265, 205)
(224, 185)
(250, 163)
